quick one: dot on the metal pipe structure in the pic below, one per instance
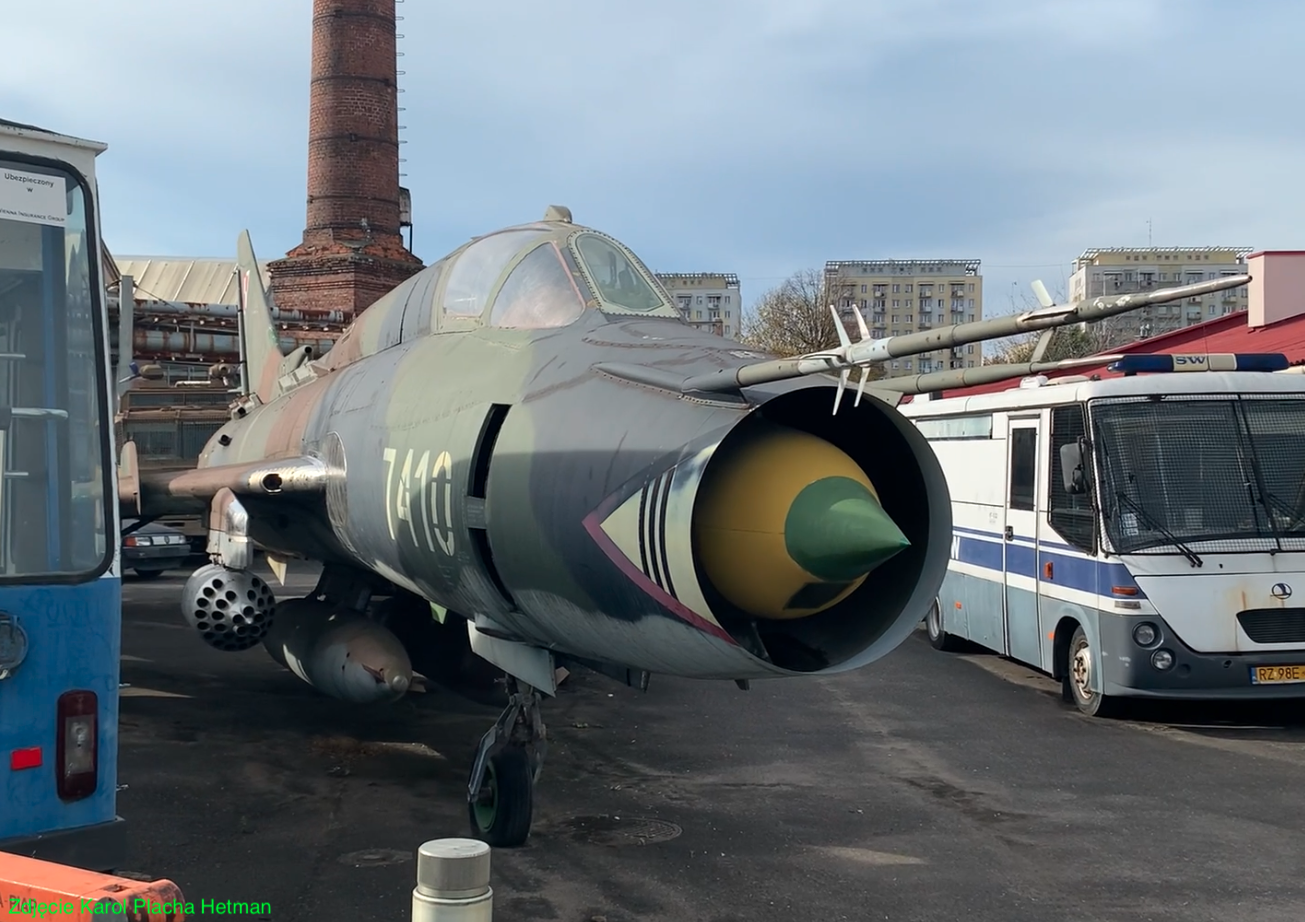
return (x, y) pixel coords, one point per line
(227, 311)
(189, 342)
(126, 321)
(210, 333)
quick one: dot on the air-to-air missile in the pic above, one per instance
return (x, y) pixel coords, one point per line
(523, 451)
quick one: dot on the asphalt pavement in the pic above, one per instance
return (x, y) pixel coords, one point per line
(928, 786)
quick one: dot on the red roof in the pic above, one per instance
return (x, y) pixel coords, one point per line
(1228, 333)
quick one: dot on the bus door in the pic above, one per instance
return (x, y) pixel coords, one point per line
(1021, 529)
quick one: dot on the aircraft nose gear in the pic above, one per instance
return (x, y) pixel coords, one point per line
(500, 792)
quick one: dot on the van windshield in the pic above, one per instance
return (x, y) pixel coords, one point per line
(1220, 474)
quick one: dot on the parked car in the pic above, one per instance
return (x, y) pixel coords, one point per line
(152, 549)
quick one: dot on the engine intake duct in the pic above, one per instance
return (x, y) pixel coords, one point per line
(820, 540)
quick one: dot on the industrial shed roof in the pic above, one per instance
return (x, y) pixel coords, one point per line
(180, 278)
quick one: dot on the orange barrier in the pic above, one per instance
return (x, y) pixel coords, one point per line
(43, 890)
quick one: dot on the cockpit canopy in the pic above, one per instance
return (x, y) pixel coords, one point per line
(545, 275)
(531, 277)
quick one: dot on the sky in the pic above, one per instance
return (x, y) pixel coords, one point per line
(759, 137)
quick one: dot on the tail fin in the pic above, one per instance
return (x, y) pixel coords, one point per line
(262, 349)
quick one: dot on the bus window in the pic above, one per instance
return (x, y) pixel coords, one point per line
(53, 447)
(1277, 429)
(1023, 448)
(1215, 470)
(1070, 514)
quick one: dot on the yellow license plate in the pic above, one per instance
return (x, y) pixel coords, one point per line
(1272, 675)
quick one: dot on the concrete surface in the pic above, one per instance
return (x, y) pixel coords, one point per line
(927, 786)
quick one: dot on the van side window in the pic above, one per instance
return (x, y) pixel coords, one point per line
(1070, 514)
(1023, 454)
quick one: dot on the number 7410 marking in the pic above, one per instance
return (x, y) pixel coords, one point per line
(434, 498)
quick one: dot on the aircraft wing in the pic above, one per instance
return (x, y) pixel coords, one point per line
(154, 493)
(848, 355)
(931, 382)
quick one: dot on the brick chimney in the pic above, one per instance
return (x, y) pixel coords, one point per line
(352, 251)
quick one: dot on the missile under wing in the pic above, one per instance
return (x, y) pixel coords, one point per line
(523, 455)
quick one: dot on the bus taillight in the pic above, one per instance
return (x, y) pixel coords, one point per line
(76, 762)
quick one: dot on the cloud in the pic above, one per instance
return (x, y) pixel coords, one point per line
(754, 136)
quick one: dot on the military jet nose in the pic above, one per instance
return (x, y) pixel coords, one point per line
(788, 525)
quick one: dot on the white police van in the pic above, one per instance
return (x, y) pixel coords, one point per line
(1141, 536)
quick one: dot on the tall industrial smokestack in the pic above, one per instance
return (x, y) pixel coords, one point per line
(352, 251)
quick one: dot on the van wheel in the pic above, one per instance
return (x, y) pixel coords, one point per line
(1083, 666)
(938, 638)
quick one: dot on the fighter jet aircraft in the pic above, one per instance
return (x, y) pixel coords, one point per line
(524, 451)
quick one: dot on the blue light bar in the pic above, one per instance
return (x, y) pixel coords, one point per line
(1218, 361)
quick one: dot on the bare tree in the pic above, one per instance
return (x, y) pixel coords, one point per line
(794, 318)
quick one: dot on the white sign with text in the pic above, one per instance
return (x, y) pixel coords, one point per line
(32, 198)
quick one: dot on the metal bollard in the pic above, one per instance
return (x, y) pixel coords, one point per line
(453, 882)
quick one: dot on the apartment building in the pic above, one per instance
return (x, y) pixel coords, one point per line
(1120, 270)
(900, 296)
(708, 300)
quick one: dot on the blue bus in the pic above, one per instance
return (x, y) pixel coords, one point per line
(60, 593)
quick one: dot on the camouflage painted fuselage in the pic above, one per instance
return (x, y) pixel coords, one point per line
(510, 474)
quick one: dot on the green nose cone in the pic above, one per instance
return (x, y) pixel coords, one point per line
(837, 531)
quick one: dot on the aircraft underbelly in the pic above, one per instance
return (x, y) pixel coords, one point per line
(661, 645)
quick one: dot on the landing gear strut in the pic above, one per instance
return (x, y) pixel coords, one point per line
(501, 790)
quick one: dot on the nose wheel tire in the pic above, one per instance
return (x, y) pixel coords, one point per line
(502, 812)
(1083, 669)
(938, 638)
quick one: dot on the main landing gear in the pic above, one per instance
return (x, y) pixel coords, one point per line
(501, 790)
